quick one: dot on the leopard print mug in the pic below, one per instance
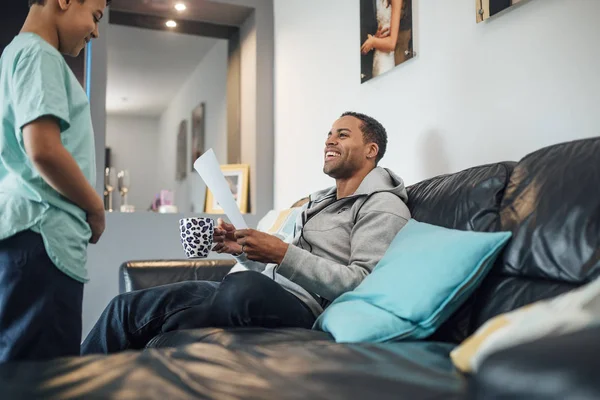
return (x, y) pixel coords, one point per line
(197, 236)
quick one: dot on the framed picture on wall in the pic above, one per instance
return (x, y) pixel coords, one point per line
(198, 132)
(488, 8)
(181, 158)
(386, 36)
(237, 176)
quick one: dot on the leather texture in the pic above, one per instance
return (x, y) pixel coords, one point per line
(558, 368)
(499, 294)
(468, 200)
(310, 370)
(238, 337)
(136, 275)
(552, 206)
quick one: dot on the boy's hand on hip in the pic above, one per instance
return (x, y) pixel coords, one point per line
(97, 222)
(260, 246)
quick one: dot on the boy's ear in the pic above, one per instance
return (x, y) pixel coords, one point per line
(64, 4)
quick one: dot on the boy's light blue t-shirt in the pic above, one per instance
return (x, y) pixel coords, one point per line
(36, 81)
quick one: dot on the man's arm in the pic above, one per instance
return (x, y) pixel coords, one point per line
(59, 169)
(371, 237)
(379, 220)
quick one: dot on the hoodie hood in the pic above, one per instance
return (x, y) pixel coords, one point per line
(378, 180)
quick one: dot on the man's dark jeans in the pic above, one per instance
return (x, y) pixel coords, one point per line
(247, 298)
(40, 307)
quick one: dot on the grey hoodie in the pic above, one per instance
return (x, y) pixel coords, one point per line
(337, 243)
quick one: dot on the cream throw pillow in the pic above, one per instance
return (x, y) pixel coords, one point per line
(566, 313)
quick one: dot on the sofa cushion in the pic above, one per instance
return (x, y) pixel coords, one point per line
(468, 200)
(552, 206)
(235, 337)
(426, 274)
(318, 369)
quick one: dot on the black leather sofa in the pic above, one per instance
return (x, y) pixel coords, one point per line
(550, 200)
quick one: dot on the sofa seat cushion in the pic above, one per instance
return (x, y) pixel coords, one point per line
(234, 337)
(318, 369)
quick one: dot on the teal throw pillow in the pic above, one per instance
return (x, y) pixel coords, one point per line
(426, 274)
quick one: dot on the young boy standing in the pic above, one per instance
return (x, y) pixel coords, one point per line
(49, 209)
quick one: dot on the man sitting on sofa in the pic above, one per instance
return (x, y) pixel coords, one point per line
(342, 233)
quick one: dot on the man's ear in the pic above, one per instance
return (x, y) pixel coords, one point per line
(372, 151)
(64, 4)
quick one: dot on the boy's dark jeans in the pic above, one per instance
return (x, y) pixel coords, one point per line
(40, 307)
(132, 319)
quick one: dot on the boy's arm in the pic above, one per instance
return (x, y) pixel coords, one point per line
(59, 169)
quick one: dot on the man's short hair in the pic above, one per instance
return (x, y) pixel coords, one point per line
(373, 132)
(42, 2)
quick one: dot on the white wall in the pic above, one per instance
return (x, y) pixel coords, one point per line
(134, 147)
(476, 93)
(257, 62)
(208, 84)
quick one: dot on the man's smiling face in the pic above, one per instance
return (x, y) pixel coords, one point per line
(345, 148)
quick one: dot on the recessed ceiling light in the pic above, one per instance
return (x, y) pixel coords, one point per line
(171, 24)
(180, 7)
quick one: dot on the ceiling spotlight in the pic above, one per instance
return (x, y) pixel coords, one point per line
(171, 24)
(180, 7)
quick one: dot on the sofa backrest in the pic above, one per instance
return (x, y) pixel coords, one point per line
(552, 207)
(467, 200)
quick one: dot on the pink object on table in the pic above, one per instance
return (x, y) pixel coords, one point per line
(166, 198)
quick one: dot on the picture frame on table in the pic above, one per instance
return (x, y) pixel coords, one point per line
(238, 177)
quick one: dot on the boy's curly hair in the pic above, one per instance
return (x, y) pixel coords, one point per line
(42, 2)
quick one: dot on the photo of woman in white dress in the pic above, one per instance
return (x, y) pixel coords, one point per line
(388, 42)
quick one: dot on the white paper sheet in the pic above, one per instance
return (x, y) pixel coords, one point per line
(209, 169)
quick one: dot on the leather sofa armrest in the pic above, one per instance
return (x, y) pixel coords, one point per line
(136, 275)
(555, 368)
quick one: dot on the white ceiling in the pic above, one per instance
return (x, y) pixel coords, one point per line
(146, 68)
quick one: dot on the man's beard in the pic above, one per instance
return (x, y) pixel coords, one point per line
(342, 171)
